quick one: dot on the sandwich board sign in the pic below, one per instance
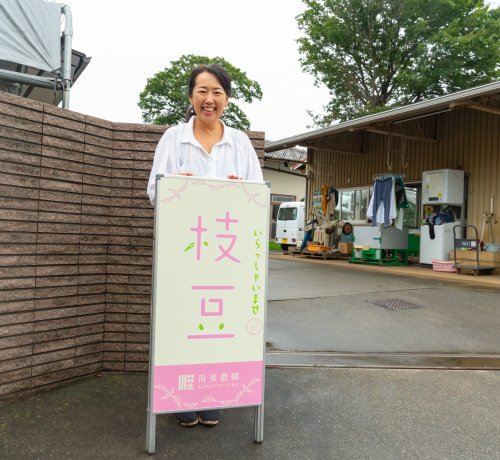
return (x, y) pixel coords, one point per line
(209, 297)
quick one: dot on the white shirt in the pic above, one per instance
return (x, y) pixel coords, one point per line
(178, 151)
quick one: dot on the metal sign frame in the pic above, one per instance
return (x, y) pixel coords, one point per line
(252, 194)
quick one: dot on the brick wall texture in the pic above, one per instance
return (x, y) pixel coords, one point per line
(76, 231)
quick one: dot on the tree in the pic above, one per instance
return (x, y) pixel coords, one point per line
(164, 100)
(377, 54)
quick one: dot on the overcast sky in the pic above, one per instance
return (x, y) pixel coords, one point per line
(129, 41)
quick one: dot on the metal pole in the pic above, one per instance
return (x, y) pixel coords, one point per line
(151, 422)
(66, 71)
(33, 80)
(259, 423)
(151, 433)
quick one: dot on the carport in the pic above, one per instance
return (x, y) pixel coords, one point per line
(457, 131)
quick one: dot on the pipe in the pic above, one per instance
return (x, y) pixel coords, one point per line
(27, 79)
(66, 71)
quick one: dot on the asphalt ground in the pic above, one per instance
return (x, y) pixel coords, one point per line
(310, 412)
(326, 307)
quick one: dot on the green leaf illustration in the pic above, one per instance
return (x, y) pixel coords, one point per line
(189, 246)
(205, 243)
(221, 326)
(200, 327)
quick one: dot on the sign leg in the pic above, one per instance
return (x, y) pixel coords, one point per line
(151, 433)
(259, 423)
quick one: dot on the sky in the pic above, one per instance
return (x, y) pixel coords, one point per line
(130, 41)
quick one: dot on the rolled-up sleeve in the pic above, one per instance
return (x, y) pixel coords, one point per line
(164, 161)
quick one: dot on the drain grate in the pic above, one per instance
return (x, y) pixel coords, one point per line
(393, 304)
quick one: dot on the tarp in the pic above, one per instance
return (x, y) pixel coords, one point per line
(30, 33)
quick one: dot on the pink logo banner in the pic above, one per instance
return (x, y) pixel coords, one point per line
(203, 386)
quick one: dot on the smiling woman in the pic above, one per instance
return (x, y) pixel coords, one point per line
(205, 146)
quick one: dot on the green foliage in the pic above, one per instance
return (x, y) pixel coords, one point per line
(377, 54)
(164, 100)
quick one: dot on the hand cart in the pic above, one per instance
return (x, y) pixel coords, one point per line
(467, 247)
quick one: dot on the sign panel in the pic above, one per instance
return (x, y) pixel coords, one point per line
(209, 294)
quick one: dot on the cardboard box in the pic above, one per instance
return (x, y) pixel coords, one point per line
(486, 258)
(345, 248)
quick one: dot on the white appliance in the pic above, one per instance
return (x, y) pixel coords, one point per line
(438, 248)
(442, 190)
(443, 186)
(379, 237)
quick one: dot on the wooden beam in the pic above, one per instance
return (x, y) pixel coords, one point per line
(407, 136)
(284, 160)
(484, 108)
(334, 150)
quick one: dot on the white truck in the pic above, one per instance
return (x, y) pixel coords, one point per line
(290, 224)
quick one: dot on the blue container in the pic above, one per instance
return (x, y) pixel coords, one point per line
(492, 247)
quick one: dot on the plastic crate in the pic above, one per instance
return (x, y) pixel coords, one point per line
(443, 266)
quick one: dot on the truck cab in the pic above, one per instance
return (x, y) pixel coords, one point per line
(290, 224)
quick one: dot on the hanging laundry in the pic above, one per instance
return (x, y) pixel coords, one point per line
(399, 189)
(401, 201)
(333, 199)
(382, 207)
(324, 198)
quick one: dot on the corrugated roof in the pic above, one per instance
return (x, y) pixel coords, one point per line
(401, 113)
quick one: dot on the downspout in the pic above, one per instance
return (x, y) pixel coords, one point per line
(66, 71)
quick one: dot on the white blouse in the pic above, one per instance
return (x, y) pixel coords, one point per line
(178, 152)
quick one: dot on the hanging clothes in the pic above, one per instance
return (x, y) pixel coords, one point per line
(399, 189)
(382, 207)
(333, 199)
(324, 198)
(401, 201)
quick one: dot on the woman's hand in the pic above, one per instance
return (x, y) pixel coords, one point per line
(185, 174)
(232, 176)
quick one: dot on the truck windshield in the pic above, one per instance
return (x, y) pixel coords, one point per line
(287, 214)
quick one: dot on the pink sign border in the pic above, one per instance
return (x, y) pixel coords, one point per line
(248, 391)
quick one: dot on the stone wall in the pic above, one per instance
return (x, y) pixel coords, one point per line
(76, 233)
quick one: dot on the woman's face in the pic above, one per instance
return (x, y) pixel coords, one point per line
(209, 98)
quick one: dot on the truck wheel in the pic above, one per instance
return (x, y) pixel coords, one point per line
(284, 247)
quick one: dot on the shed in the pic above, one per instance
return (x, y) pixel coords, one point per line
(457, 131)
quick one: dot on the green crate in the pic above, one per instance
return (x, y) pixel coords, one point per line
(414, 244)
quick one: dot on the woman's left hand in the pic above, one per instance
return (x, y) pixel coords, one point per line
(232, 176)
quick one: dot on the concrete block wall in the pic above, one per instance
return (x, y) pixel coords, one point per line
(76, 233)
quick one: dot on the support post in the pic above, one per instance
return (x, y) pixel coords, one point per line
(259, 423)
(151, 433)
(66, 70)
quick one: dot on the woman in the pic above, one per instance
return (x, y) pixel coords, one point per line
(204, 146)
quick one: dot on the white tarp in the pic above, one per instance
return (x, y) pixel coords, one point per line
(30, 33)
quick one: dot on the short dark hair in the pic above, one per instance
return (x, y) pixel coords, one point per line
(217, 71)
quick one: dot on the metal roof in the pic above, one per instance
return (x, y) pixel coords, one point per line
(288, 154)
(410, 111)
(53, 96)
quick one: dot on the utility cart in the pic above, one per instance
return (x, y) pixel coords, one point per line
(466, 251)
